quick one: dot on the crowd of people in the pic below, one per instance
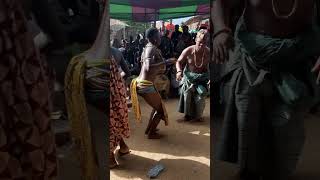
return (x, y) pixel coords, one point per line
(171, 46)
(181, 58)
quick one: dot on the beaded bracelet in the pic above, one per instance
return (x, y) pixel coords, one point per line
(224, 30)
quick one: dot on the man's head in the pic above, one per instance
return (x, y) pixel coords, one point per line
(153, 36)
(185, 29)
(176, 28)
(202, 38)
(115, 43)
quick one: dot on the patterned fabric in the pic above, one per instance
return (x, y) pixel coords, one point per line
(119, 120)
(27, 144)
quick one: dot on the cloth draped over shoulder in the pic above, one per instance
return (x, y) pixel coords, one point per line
(75, 79)
(135, 101)
(193, 93)
(287, 62)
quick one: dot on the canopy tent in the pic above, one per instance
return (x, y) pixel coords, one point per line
(150, 10)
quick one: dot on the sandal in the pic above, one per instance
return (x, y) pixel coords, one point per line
(123, 154)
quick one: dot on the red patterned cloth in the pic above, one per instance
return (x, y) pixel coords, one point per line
(119, 121)
(27, 145)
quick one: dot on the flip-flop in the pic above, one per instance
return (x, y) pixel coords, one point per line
(113, 166)
(123, 154)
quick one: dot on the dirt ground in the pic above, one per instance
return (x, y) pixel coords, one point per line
(184, 150)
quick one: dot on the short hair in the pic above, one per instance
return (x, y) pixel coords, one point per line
(203, 34)
(151, 32)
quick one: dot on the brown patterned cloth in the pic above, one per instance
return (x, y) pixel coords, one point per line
(27, 145)
(119, 121)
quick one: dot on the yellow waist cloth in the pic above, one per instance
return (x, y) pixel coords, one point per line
(78, 114)
(135, 100)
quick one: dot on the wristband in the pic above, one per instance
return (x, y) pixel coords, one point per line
(178, 72)
(224, 30)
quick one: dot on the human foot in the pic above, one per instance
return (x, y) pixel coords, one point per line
(124, 151)
(197, 119)
(147, 131)
(154, 136)
(113, 163)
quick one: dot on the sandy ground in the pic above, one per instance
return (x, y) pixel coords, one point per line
(184, 150)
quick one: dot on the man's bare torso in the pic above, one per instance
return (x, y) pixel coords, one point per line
(198, 66)
(259, 17)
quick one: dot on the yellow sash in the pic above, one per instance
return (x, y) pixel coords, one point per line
(135, 100)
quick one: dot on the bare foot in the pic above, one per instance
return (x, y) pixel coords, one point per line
(197, 120)
(154, 136)
(185, 119)
(146, 132)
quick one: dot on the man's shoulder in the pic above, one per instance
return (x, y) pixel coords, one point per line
(189, 49)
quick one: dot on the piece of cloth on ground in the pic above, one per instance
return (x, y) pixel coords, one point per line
(193, 93)
(262, 132)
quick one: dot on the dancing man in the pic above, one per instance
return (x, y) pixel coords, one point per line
(268, 83)
(153, 65)
(193, 69)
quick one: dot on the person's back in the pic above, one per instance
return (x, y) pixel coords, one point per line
(166, 45)
(116, 53)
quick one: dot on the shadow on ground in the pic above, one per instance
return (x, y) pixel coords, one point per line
(179, 138)
(134, 166)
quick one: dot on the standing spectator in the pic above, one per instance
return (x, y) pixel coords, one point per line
(185, 40)
(131, 51)
(175, 36)
(166, 46)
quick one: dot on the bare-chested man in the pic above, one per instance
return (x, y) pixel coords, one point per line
(153, 65)
(268, 84)
(192, 69)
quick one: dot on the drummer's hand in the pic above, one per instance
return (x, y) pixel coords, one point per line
(222, 43)
(179, 76)
(316, 69)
